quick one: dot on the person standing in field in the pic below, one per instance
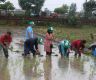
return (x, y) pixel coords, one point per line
(29, 30)
(5, 40)
(78, 46)
(64, 48)
(48, 41)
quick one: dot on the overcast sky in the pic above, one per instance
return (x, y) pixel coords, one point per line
(52, 4)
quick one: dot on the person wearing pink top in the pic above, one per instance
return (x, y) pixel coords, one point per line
(48, 41)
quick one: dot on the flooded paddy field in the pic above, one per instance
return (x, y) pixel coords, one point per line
(17, 67)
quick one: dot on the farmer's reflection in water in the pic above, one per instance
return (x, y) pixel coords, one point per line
(30, 68)
(76, 64)
(63, 65)
(4, 73)
(76, 67)
(47, 68)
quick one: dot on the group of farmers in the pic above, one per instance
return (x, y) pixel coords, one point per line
(31, 43)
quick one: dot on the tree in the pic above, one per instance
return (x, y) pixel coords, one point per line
(72, 14)
(62, 10)
(31, 5)
(88, 7)
(7, 6)
(2, 0)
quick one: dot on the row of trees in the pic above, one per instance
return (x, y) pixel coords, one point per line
(35, 6)
(31, 6)
(70, 11)
(62, 10)
(7, 6)
(89, 9)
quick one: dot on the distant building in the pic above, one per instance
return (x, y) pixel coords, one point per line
(19, 11)
(12, 12)
(63, 15)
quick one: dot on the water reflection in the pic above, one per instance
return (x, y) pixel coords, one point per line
(31, 69)
(76, 64)
(76, 69)
(15, 67)
(94, 71)
(63, 64)
(89, 69)
(47, 68)
(4, 72)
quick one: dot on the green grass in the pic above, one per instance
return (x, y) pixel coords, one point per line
(61, 32)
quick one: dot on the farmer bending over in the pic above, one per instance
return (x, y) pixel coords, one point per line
(32, 45)
(78, 46)
(5, 40)
(92, 47)
(64, 47)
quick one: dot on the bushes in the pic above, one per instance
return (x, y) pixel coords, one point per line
(3, 22)
(72, 20)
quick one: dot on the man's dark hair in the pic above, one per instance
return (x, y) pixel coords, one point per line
(83, 41)
(9, 33)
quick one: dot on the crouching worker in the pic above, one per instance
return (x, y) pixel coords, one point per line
(31, 45)
(78, 46)
(5, 40)
(92, 47)
(64, 48)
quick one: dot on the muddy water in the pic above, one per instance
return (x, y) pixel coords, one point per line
(17, 67)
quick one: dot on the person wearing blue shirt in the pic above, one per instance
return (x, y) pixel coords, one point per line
(29, 30)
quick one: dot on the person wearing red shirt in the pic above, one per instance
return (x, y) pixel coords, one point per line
(78, 46)
(5, 40)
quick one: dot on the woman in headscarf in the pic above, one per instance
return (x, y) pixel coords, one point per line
(48, 41)
(64, 47)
